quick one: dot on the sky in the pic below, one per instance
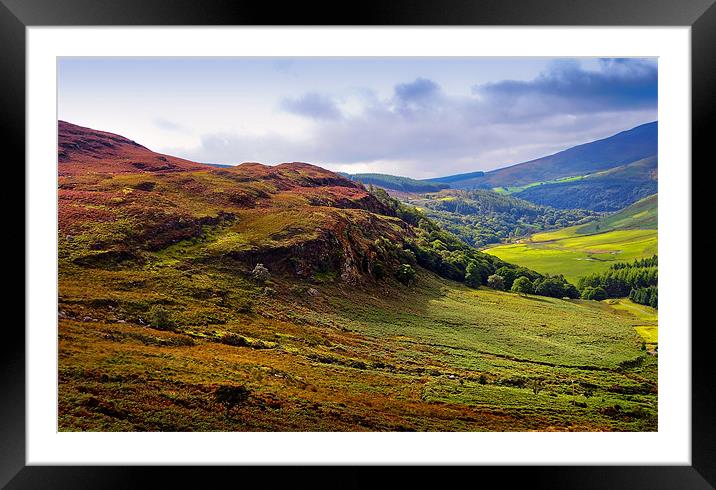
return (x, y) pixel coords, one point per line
(413, 116)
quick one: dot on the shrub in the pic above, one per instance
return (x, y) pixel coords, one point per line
(522, 285)
(231, 396)
(261, 273)
(405, 274)
(234, 340)
(245, 306)
(158, 317)
(379, 270)
(496, 282)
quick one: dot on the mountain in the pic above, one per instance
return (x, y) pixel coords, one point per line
(84, 150)
(608, 190)
(459, 178)
(290, 298)
(604, 175)
(395, 183)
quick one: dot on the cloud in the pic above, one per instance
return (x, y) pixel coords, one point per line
(168, 125)
(420, 89)
(620, 84)
(421, 131)
(313, 105)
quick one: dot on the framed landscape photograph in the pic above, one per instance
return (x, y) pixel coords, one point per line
(433, 237)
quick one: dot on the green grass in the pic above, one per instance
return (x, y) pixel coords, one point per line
(561, 252)
(433, 356)
(649, 333)
(643, 215)
(584, 249)
(516, 189)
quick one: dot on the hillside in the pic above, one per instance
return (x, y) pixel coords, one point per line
(590, 248)
(642, 215)
(622, 148)
(482, 217)
(392, 182)
(83, 150)
(609, 190)
(603, 175)
(315, 304)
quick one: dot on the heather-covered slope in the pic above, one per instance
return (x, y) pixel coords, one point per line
(84, 150)
(163, 310)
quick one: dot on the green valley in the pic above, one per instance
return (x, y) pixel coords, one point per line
(580, 250)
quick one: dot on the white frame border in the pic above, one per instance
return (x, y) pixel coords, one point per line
(670, 445)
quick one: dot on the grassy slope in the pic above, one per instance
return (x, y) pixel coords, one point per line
(436, 356)
(580, 250)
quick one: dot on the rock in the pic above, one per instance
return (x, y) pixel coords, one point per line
(312, 292)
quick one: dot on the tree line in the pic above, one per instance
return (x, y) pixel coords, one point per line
(445, 254)
(637, 280)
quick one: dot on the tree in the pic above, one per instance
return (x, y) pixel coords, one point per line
(405, 274)
(261, 273)
(536, 385)
(599, 294)
(552, 286)
(508, 274)
(570, 291)
(473, 276)
(496, 282)
(595, 294)
(522, 286)
(231, 396)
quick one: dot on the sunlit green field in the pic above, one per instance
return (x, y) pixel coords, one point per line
(565, 252)
(519, 188)
(645, 319)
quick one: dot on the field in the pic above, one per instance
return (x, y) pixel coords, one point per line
(516, 189)
(645, 318)
(564, 252)
(593, 247)
(436, 356)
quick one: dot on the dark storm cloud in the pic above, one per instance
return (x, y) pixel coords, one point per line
(566, 87)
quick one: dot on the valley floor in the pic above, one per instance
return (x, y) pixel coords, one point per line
(573, 255)
(435, 356)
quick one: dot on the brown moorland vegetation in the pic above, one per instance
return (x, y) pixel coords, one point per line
(167, 322)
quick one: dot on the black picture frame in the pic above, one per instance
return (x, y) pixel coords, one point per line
(700, 15)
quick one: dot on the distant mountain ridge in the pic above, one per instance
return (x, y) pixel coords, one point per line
(622, 148)
(396, 183)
